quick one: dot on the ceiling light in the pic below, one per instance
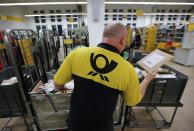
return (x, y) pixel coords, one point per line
(82, 14)
(106, 2)
(149, 13)
(43, 3)
(54, 14)
(149, 3)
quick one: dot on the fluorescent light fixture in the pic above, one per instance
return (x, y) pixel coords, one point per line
(54, 14)
(148, 3)
(43, 3)
(82, 14)
(106, 2)
(167, 13)
(120, 13)
(149, 13)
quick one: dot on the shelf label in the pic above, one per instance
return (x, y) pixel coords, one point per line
(139, 12)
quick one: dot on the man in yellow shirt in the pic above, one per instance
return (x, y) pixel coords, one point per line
(100, 74)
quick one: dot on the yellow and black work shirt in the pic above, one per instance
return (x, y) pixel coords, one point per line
(99, 74)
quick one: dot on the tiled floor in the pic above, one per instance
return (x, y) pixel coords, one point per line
(184, 119)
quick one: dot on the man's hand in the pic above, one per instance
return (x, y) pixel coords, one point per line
(61, 88)
(148, 78)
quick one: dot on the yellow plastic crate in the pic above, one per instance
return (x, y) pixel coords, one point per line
(150, 38)
(162, 45)
(68, 41)
(2, 46)
(129, 36)
(176, 45)
(25, 46)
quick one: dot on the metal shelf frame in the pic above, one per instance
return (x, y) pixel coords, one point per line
(49, 48)
(132, 122)
(8, 36)
(156, 97)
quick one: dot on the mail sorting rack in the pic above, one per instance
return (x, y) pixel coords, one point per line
(161, 92)
(51, 111)
(56, 40)
(49, 49)
(16, 104)
(22, 40)
(39, 63)
(69, 40)
(4, 61)
(11, 102)
(74, 38)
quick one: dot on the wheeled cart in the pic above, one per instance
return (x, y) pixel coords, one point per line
(162, 92)
(50, 111)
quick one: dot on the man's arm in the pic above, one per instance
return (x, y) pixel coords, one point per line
(144, 84)
(134, 91)
(59, 87)
(64, 73)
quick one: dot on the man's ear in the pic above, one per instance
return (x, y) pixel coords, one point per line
(122, 40)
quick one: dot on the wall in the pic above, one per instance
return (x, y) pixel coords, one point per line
(12, 11)
(32, 25)
(47, 9)
(146, 20)
(141, 21)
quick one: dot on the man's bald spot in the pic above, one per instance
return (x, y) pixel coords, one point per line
(114, 29)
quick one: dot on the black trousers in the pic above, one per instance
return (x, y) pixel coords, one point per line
(90, 129)
(82, 126)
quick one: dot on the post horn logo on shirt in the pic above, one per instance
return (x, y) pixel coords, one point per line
(109, 66)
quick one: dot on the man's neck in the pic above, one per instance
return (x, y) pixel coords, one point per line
(111, 42)
(108, 47)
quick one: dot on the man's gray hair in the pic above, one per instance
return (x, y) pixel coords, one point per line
(114, 29)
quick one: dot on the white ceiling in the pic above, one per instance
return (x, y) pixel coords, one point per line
(26, 1)
(18, 1)
(154, 0)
